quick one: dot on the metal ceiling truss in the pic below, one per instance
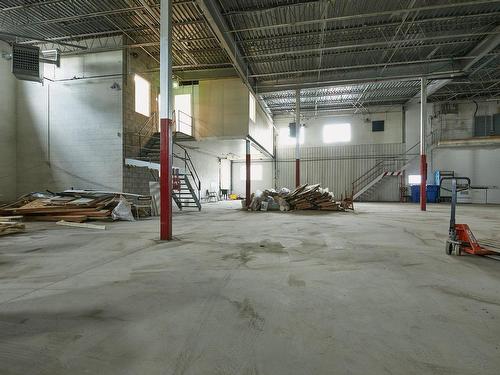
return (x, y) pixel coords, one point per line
(340, 53)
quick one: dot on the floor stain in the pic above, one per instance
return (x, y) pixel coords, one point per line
(294, 281)
(246, 311)
(458, 293)
(250, 249)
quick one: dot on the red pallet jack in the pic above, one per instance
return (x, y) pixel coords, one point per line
(461, 239)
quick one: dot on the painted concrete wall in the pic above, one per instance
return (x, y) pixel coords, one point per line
(138, 62)
(262, 129)
(361, 130)
(70, 131)
(207, 166)
(223, 109)
(239, 177)
(333, 165)
(7, 129)
(481, 164)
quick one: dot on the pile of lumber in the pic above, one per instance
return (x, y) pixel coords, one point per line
(305, 197)
(70, 206)
(9, 227)
(312, 197)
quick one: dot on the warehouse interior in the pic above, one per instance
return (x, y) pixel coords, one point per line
(249, 187)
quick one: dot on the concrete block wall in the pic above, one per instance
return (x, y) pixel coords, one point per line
(137, 62)
(69, 131)
(136, 179)
(8, 131)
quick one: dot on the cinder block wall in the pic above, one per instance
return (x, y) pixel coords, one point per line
(69, 131)
(136, 179)
(137, 62)
(7, 129)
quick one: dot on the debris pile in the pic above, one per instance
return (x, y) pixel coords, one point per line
(305, 197)
(8, 227)
(75, 206)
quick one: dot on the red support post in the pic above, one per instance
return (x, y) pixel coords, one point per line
(248, 191)
(423, 182)
(165, 179)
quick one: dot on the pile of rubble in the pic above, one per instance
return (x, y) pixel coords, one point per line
(305, 197)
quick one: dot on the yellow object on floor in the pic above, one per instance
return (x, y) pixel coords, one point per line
(233, 197)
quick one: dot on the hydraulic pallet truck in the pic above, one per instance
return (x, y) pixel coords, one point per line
(461, 239)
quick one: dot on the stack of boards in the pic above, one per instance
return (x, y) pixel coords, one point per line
(75, 206)
(312, 197)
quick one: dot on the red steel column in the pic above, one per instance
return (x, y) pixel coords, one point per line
(165, 120)
(297, 138)
(248, 191)
(423, 158)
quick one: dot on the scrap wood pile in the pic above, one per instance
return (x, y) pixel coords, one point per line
(70, 206)
(7, 227)
(305, 197)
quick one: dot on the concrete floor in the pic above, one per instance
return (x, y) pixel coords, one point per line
(370, 292)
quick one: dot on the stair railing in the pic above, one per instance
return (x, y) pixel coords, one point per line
(383, 165)
(189, 167)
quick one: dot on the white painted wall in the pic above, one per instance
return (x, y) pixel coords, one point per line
(239, 182)
(7, 129)
(262, 129)
(207, 166)
(361, 130)
(70, 132)
(223, 109)
(480, 163)
(334, 165)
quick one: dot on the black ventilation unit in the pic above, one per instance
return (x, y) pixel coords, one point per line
(26, 63)
(378, 126)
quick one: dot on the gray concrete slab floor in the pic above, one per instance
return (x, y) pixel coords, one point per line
(267, 293)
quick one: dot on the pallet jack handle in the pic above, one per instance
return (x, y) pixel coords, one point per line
(454, 190)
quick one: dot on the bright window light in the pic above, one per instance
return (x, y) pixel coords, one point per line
(414, 179)
(251, 107)
(142, 96)
(334, 133)
(182, 105)
(255, 172)
(284, 138)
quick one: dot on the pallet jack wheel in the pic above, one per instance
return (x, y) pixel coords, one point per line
(457, 250)
(449, 248)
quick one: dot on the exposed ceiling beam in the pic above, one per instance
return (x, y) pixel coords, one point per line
(367, 45)
(221, 30)
(367, 15)
(482, 49)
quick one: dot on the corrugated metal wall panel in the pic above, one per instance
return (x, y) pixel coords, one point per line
(336, 167)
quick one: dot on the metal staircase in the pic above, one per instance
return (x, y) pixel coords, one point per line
(366, 184)
(186, 182)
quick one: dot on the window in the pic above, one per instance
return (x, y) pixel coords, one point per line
(182, 106)
(251, 107)
(378, 126)
(284, 138)
(336, 133)
(142, 96)
(255, 172)
(414, 179)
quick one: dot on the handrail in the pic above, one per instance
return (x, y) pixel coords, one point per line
(379, 167)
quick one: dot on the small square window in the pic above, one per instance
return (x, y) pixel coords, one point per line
(334, 133)
(378, 126)
(414, 179)
(142, 96)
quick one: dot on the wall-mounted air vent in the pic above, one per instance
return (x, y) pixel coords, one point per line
(26, 63)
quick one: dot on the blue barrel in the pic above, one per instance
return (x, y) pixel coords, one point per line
(432, 193)
(415, 193)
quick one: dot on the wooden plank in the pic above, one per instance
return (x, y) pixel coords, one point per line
(10, 228)
(81, 225)
(72, 218)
